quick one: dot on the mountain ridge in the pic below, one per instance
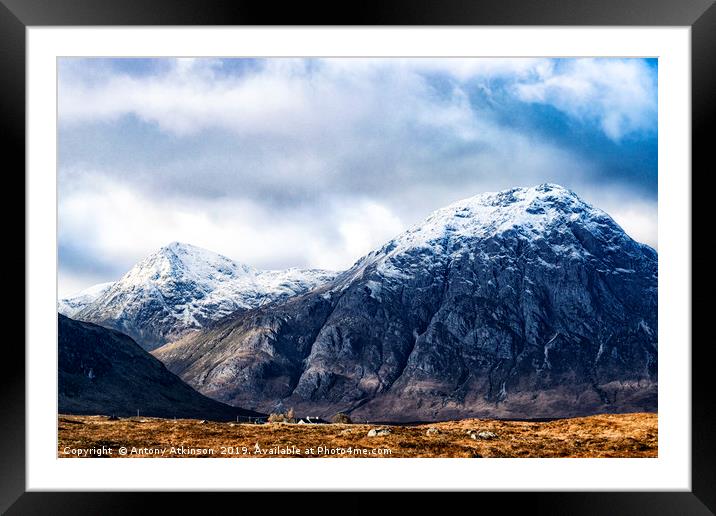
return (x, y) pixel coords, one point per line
(522, 303)
(182, 288)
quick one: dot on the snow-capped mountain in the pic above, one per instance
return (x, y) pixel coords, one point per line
(71, 305)
(522, 303)
(531, 215)
(182, 288)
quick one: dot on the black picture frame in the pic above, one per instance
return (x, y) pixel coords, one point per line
(17, 15)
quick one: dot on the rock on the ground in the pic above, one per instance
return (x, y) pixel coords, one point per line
(484, 435)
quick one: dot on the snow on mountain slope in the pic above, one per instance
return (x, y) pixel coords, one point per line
(527, 213)
(69, 306)
(182, 287)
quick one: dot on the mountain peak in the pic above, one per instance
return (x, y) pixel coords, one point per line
(179, 246)
(530, 209)
(521, 195)
(183, 250)
(547, 187)
(179, 257)
(534, 215)
(181, 287)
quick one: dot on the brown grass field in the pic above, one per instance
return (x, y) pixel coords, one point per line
(612, 435)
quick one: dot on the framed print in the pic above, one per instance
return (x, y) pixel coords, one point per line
(387, 249)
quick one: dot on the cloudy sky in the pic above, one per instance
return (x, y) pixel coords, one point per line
(313, 162)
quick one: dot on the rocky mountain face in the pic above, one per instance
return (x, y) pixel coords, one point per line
(182, 288)
(525, 303)
(102, 371)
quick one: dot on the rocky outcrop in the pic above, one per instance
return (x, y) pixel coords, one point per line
(526, 303)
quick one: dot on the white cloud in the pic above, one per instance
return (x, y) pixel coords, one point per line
(110, 222)
(306, 131)
(313, 164)
(619, 94)
(281, 97)
(639, 222)
(286, 94)
(184, 102)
